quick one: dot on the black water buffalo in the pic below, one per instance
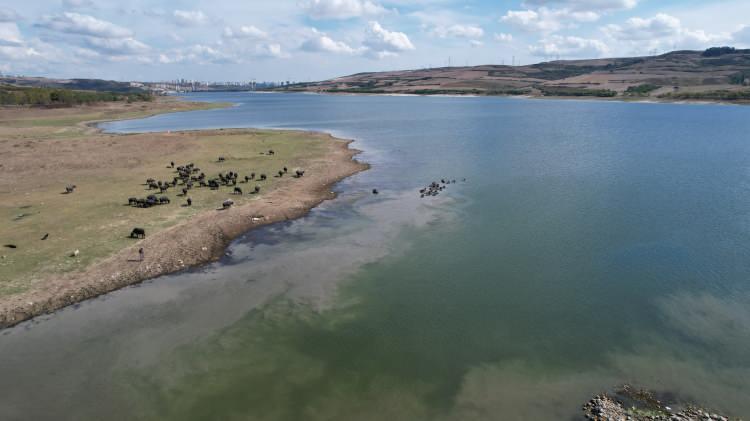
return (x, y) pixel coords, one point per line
(163, 200)
(299, 173)
(70, 188)
(237, 190)
(256, 190)
(262, 177)
(138, 233)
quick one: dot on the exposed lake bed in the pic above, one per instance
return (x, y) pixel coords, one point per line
(592, 244)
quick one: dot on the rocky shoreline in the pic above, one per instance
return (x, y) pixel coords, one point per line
(629, 403)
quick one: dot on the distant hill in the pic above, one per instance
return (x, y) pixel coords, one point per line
(721, 73)
(75, 84)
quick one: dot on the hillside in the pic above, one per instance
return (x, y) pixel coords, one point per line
(75, 84)
(715, 74)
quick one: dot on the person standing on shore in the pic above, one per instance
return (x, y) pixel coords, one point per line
(140, 254)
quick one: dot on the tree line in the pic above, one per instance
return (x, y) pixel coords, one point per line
(30, 96)
(722, 95)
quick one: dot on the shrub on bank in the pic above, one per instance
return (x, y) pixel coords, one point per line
(28, 96)
(565, 91)
(709, 95)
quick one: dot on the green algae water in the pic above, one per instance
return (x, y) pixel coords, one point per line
(591, 244)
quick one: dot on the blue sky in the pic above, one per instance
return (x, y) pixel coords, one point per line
(304, 40)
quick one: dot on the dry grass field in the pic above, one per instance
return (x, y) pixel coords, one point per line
(43, 150)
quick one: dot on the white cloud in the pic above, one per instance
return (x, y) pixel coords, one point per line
(245, 32)
(32, 54)
(341, 9)
(18, 53)
(547, 20)
(78, 4)
(529, 20)
(384, 43)
(475, 43)
(700, 39)
(458, 31)
(501, 37)
(74, 23)
(585, 5)
(662, 32)
(742, 35)
(8, 15)
(190, 17)
(320, 42)
(86, 54)
(569, 46)
(96, 38)
(196, 54)
(270, 50)
(10, 35)
(659, 26)
(117, 46)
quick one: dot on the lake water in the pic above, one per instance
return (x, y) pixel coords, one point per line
(592, 244)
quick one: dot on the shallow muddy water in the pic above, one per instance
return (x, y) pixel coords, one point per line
(591, 244)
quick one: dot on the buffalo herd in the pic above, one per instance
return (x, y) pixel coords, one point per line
(436, 187)
(188, 177)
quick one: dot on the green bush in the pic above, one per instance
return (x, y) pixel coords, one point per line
(709, 95)
(641, 90)
(565, 91)
(16, 95)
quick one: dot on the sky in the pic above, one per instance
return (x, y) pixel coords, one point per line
(307, 40)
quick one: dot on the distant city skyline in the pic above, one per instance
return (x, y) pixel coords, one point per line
(306, 40)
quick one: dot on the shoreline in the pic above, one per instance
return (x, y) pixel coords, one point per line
(196, 241)
(93, 126)
(638, 100)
